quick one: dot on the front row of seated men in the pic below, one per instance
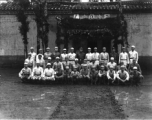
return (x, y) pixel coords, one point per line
(84, 73)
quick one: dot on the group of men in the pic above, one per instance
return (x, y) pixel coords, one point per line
(94, 68)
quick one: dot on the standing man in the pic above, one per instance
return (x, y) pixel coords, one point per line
(104, 56)
(72, 56)
(30, 61)
(114, 55)
(112, 63)
(47, 54)
(55, 54)
(133, 54)
(41, 61)
(33, 54)
(96, 56)
(64, 55)
(80, 55)
(89, 56)
(123, 57)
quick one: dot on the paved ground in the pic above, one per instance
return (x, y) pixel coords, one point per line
(25, 101)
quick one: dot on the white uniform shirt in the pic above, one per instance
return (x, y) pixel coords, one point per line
(37, 70)
(114, 74)
(38, 55)
(112, 64)
(63, 56)
(95, 56)
(72, 56)
(124, 57)
(49, 72)
(124, 73)
(33, 55)
(89, 56)
(104, 56)
(133, 55)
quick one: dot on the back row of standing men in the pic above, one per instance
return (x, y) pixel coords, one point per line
(123, 57)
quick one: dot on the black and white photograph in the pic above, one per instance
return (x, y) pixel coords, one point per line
(75, 59)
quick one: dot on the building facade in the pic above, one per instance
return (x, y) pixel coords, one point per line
(138, 16)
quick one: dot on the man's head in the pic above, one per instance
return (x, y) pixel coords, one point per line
(76, 60)
(57, 59)
(134, 68)
(64, 50)
(85, 61)
(32, 49)
(56, 49)
(74, 68)
(81, 49)
(102, 67)
(123, 49)
(49, 65)
(104, 49)
(134, 61)
(29, 55)
(89, 50)
(72, 49)
(113, 49)
(121, 63)
(95, 49)
(38, 64)
(123, 67)
(40, 56)
(112, 59)
(47, 49)
(49, 59)
(25, 64)
(101, 62)
(132, 47)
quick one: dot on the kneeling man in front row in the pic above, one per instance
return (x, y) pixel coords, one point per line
(25, 73)
(49, 73)
(37, 72)
(123, 75)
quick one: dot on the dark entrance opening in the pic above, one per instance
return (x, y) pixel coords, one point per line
(92, 43)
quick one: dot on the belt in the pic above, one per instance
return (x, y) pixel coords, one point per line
(104, 59)
(71, 60)
(123, 59)
(131, 58)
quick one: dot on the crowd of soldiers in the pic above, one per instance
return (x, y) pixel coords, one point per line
(81, 68)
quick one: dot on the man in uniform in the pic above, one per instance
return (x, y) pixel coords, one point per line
(111, 75)
(85, 73)
(30, 61)
(64, 55)
(123, 57)
(114, 55)
(76, 65)
(89, 56)
(102, 75)
(33, 54)
(37, 72)
(112, 63)
(72, 56)
(25, 73)
(57, 65)
(47, 54)
(96, 56)
(49, 73)
(135, 76)
(40, 53)
(41, 61)
(123, 75)
(67, 75)
(104, 56)
(59, 72)
(80, 55)
(93, 75)
(133, 54)
(134, 64)
(74, 75)
(55, 54)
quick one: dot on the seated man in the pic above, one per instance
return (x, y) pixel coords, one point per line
(48, 73)
(122, 75)
(25, 73)
(37, 72)
(102, 75)
(76, 64)
(111, 75)
(85, 73)
(93, 75)
(112, 63)
(66, 63)
(93, 64)
(67, 74)
(135, 76)
(57, 65)
(134, 64)
(101, 63)
(59, 75)
(74, 75)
